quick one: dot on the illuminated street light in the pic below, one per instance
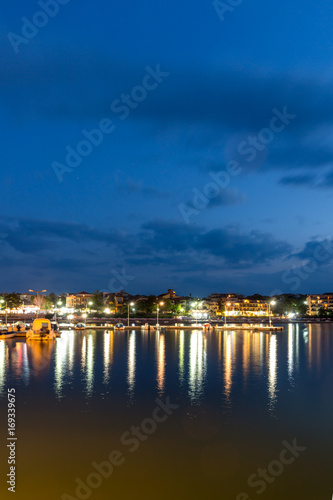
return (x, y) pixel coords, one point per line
(157, 310)
(55, 310)
(272, 303)
(226, 310)
(128, 308)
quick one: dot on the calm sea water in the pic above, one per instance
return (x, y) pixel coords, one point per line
(238, 404)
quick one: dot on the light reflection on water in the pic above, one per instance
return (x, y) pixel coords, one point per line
(197, 365)
(131, 364)
(87, 359)
(181, 358)
(62, 369)
(160, 355)
(240, 394)
(272, 370)
(108, 355)
(291, 354)
(3, 365)
(228, 363)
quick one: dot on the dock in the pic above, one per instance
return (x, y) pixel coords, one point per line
(248, 327)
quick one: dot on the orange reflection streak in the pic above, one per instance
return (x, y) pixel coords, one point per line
(314, 346)
(161, 365)
(3, 364)
(246, 356)
(256, 346)
(39, 356)
(228, 366)
(310, 345)
(17, 358)
(220, 347)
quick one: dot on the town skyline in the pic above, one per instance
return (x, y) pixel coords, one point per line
(218, 304)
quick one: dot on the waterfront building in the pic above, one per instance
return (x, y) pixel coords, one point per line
(79, 300)
(170, 295)
(316, 303)
(238, 305)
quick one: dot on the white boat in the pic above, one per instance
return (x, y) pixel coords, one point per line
(80, 326)
(145, 326)
(41, 330)
(18, 328)
(207, 327)
(119, 326)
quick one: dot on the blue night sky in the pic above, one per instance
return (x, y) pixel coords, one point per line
(246, 100)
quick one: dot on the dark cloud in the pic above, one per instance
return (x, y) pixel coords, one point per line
(156, 240)
(232, 104)
(298, 180)
(31, 236)
(132, 187)
(233, 247)
(71, 85)
(327, 181)
(318, 250)
(224, 198)
(182, 253)
(319, 181)
(241, 249)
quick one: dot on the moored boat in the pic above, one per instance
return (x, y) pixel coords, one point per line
(80, 326)
(41, 330)
(207, 327)
(5, 334)
(119, 326)
(18, 328)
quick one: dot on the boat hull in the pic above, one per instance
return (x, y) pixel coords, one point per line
(43, 338)
(9, 335)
